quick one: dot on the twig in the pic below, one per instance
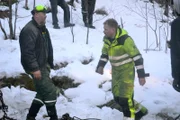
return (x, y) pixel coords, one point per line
(72, 32)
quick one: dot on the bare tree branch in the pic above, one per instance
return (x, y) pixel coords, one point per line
(16, 9)
(5, 35)
(10, 20)
(26, 5)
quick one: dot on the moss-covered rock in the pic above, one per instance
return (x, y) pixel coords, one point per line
(23, 80)
(26, 81)
(112, 104)
(64, 82)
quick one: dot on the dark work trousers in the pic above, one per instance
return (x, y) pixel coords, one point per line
(88, 10)
(64, 6)
(127, 105)
(47, 94)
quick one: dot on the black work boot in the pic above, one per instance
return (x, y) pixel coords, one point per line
(34, 109)
(89, 26)
(69, 24)
(56, 27)
(51, 110)
(66, 116)
(90, 22)
(141, 114)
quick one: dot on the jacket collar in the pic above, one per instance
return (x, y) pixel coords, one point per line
(120, 32)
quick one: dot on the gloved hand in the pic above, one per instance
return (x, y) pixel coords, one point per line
(100, 70)
(168, 44)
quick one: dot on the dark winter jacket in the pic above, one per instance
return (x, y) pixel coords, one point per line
(175, 48)
(36, 47)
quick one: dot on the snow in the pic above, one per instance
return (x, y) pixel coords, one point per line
(157, 94)
(3, 8)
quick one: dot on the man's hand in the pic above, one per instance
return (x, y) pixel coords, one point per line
(168, 44)
(37, 74)
(142, 81)
(100, 70)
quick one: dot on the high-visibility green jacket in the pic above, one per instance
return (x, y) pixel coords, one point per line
(123, 56)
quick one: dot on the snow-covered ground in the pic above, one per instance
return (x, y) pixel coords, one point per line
(157, 94)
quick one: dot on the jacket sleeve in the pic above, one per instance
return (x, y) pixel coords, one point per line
(50, 52)
(134, 53)
(104, 56)
(27, 44)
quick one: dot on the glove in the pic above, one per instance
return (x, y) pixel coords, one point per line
(100, 70)
(168, 44)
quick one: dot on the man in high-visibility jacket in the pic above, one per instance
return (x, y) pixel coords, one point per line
(124, 56)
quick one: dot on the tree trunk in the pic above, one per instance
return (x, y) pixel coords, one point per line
(34, 4)
(26, 5)
(10, 20)
(87, 21)
(5, 35)
(14, 34)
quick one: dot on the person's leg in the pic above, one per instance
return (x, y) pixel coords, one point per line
(35, 107)
(50, 94)
(123, 90)
(140, 110)
(65, 8)
(127, 105)
(84, 5)
(51, 110)
(46, 94)
(54, 13)
(91, 8)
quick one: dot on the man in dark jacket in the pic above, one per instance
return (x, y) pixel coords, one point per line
(37, 59)
(65, 8)
(87, 12)
(175, 46)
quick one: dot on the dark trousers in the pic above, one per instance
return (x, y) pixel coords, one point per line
(64, 6)
(34, 109)
(127, 105)
(46, 94)
(131, 108)
(88, 10)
